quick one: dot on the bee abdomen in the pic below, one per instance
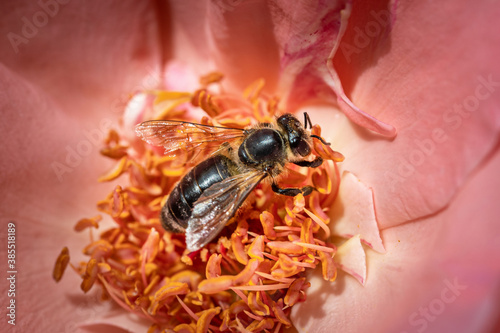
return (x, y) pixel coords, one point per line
(178, 208)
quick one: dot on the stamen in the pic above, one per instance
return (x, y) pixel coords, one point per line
(240, 294)
(315, 247)
(256, 267)
(251, 315)
(270, 277)
(263, 287)
(187, 309)
(61, 264)
(284, 227)
(319, 222)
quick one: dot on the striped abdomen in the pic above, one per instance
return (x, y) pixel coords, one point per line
(177, 210)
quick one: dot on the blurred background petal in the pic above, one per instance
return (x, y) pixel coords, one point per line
(432, 71)
(66, 73)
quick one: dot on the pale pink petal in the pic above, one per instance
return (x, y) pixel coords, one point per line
(135, 112)
(418, 80)
(353, 212)
(439, 274)
(351, 258)
(179, 76)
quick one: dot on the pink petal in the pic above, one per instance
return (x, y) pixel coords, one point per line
(242, 38)
(355, 114)
(351, 258)
(86, 57)
(308, 33)
(45, 204)
(414, 79)
(116, 321)
(60, 94)
(188, 42)
(439, 274)
(47, 154)
(353, 212)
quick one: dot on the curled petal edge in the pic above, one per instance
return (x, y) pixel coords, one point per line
(354, 213)
(352, 112)
(351, 258)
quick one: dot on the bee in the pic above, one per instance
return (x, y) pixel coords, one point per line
(209, 195)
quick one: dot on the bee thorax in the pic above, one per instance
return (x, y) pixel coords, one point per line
(262, 146)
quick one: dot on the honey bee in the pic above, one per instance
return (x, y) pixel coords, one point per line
(209, 195)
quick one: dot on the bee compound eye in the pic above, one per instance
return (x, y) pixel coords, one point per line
(303, 148)
(294, 141)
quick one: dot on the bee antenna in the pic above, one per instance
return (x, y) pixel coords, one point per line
(320, 139)
(306, 120)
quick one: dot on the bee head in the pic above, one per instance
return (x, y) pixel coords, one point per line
(297, 136)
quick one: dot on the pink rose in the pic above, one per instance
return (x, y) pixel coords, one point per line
(429, 71)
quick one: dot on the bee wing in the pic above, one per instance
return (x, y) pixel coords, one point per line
(217, 205)
(186, 137)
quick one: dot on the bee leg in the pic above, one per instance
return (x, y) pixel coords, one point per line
(313, 164)
(292, 191)
(306, 190)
